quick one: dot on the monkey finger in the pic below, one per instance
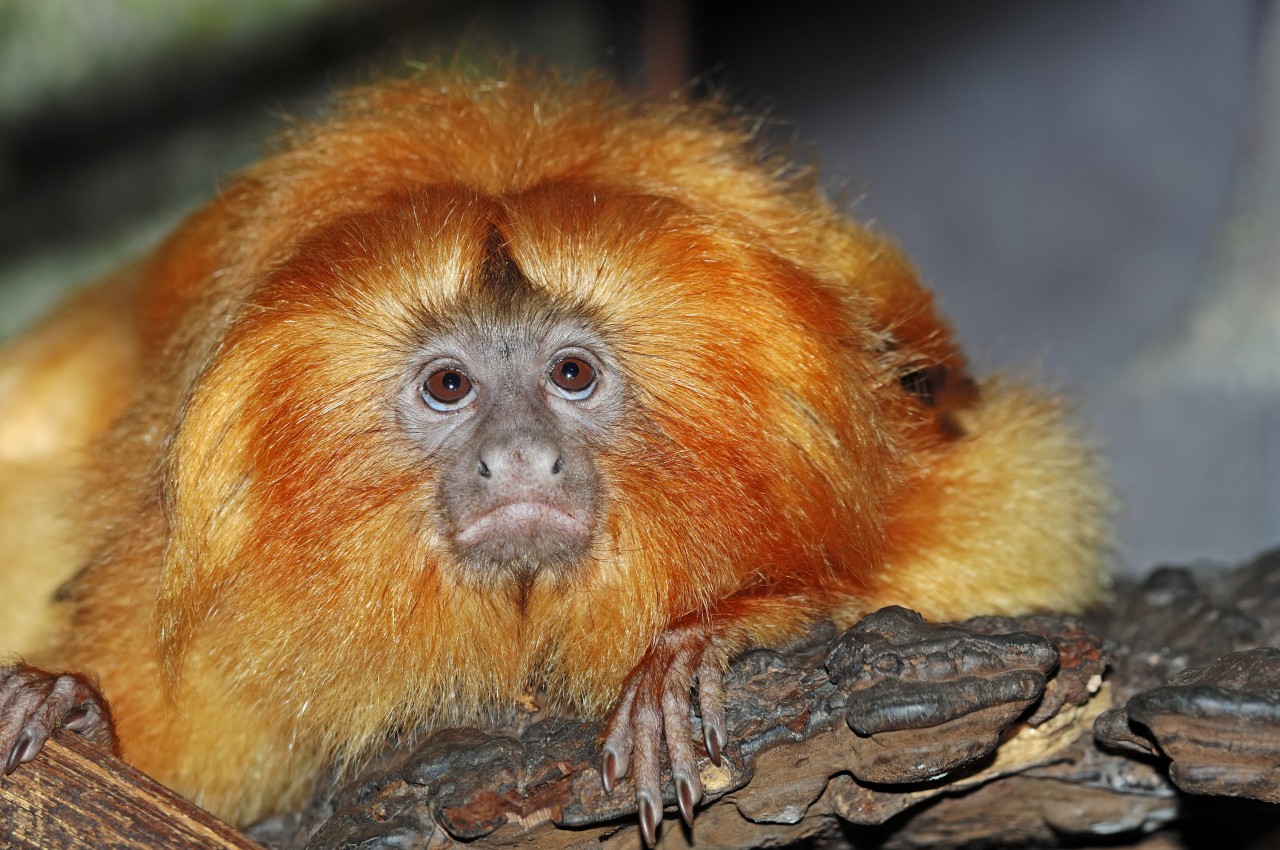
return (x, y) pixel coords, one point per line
(676, 707)
(647, 726)
(619, 739)
(12, 681)
(30, 740)
(711, 706)
(25, 704)
(91, 720)
(17, 688)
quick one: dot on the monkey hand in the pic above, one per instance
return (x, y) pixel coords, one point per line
(35, 703)
(656, 704)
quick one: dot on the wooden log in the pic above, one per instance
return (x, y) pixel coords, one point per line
(74, 795)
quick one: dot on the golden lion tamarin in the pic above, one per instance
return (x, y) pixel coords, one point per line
(483, 385)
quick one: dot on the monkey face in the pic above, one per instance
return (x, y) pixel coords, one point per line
(582, 386)
(510, 410)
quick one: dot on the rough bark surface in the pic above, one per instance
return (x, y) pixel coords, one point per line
(77, 796)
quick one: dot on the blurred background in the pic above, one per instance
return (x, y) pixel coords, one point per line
(1090, 187)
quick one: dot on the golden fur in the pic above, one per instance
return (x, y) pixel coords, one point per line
(256, 578)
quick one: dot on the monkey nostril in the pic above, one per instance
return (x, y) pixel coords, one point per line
(482, 469)
(557, 467)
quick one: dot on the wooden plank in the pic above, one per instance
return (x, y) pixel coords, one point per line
(74, 795)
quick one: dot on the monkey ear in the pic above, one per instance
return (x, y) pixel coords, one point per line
(925, 383)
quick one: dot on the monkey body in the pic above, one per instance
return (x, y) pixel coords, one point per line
(292, 535)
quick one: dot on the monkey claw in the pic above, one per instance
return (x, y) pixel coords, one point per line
(35, 704)
(655, 707)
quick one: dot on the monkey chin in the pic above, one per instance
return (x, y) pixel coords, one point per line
(522, 540)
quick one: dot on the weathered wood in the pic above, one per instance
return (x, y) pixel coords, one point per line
(76, 796)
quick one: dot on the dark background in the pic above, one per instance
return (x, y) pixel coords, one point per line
(1087, 184)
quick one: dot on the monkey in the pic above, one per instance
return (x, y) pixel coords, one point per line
(479, 384)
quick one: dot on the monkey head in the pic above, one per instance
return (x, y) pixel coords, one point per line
(574, 386)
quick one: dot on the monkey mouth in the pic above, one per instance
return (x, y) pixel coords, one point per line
(536, 524)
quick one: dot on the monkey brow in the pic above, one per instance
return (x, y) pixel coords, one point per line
(500, 295)
(500, 277)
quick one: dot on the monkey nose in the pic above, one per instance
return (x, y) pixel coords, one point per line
(538, 460)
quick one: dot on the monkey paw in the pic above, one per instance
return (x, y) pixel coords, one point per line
(656, 705)
(35, 703)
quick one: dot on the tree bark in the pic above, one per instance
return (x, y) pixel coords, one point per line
(77, 796)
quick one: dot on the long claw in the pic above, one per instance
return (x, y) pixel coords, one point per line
(684, 766)
(686, 799)
(711, 707)
(650, 817)
(713, 738)
(646, 771)
(77, 718)
(608, 770)
(18, 752)
(619, 742)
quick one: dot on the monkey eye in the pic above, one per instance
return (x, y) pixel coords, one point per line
(573, 377)
(447, 389)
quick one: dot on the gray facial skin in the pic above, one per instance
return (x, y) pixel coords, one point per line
(511, 408)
